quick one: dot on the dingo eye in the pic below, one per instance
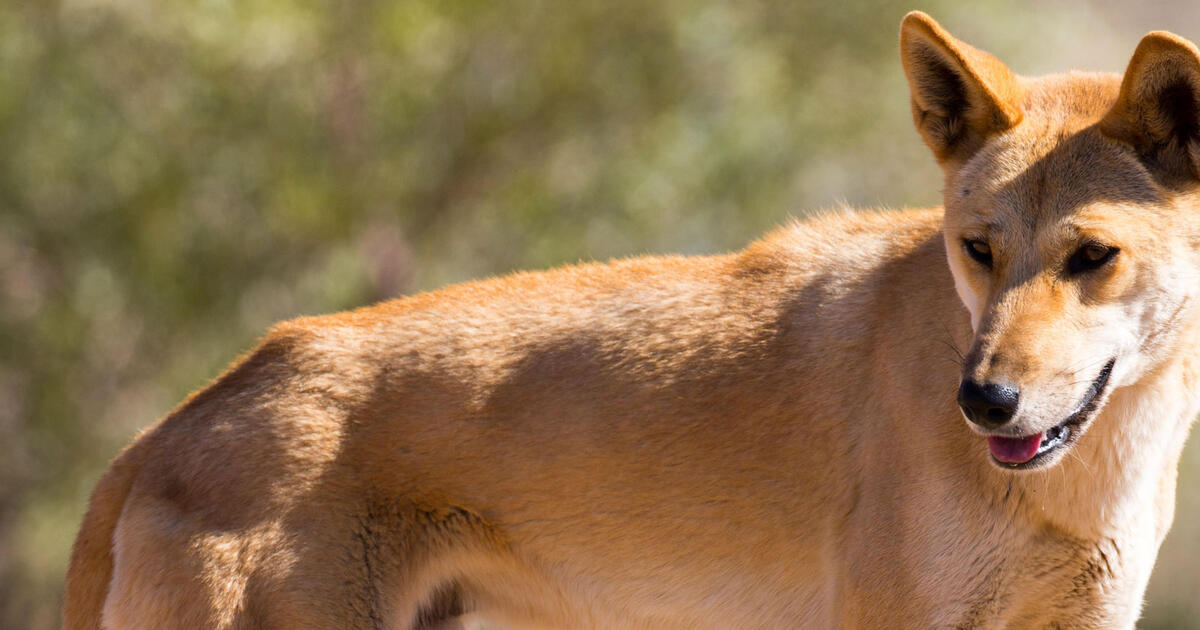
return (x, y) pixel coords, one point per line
(979, 250)
(1090, 256)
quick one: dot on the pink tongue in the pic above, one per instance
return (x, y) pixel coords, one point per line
(1014, 450)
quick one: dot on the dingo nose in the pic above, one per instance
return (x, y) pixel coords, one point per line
(988, 405)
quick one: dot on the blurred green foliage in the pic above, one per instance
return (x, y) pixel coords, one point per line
(175, 176)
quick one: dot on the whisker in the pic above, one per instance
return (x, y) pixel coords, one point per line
(949, 343)
(957, 359)
(1074, 453)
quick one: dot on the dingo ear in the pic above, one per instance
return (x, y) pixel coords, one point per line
(1158, 109)
(960, 95)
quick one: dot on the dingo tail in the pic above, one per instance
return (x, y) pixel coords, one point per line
(91, 559)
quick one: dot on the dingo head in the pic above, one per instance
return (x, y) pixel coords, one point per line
(1069, 227)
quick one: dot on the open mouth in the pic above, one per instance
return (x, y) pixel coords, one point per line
(1033, 450)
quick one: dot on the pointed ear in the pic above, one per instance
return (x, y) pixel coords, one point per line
(1158, 109)
(960, 95)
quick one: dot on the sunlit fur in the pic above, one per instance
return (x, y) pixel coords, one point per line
(766, 439)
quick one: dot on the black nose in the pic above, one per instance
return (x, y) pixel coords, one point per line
(988, 405)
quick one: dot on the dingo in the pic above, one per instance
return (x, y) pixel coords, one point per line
(769, 439)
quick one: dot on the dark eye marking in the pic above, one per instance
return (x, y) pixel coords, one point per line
(978, 250)
(1090, 256)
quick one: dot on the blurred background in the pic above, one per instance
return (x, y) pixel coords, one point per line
(176, 176)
